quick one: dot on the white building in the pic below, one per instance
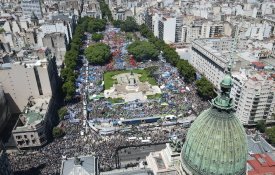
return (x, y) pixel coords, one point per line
(58, 27)
(167, 29)
(91, 8)
(211, 29)
(191, 32)
(258, 31)
(208, 58)
(253, 94)
(164, 162)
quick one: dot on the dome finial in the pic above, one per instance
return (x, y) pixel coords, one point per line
(223, 100)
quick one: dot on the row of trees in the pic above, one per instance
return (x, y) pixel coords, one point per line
(85, 24)
(106, 12)
(129, 25)
(205, 88)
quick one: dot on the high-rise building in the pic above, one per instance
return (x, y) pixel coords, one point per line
(32, 6)
(167, 29)
(254, 96)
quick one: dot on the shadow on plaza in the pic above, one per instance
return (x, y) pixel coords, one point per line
(31, 171)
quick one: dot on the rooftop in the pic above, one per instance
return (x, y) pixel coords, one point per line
(258, 145)
(28, 121)
(34, 114)
(261, 164)
(83, 165)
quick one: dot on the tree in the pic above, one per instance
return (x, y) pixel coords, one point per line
(98, 54)
(129, 25)
(62, 112)
(71, 58)
(97, 37)
(117, 23)
(186, 70)
(57, 132)
(270, 132)
(2, 30)
(260, 126)
(145, 31)
(205, 88)
(69, 89)
(143, 50)
(96, 25)
(106, 12)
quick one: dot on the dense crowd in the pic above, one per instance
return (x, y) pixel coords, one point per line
(178, 98)
(47, 160)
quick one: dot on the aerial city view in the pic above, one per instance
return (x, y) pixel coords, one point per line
(137, 87)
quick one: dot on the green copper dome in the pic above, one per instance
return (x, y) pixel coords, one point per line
(227, 81)
(216, 141)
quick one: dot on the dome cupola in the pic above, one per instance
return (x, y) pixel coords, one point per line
(216, 142)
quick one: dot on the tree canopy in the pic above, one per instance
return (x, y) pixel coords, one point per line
(62, 112)
(71, 59)
(96, 25)
(186, 70)
(260, 126)
(143, 50)
(85, 24)
(97, 37)
(106, 12)
(117, 23)
(129, 25)
(57, 132)
(205, 88)
(98, 54)
(270, 132)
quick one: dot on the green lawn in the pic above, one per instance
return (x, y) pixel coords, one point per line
(156, 96)
(145, 76)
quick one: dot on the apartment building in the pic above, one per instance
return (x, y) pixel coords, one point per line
(211, 29)
(253, 94)
(191, 32)
(167, 29)
(32, 6)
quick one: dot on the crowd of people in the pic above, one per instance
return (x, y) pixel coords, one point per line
(47, 160)
(178, 98)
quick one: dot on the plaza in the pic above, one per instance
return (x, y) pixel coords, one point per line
(128, 86)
